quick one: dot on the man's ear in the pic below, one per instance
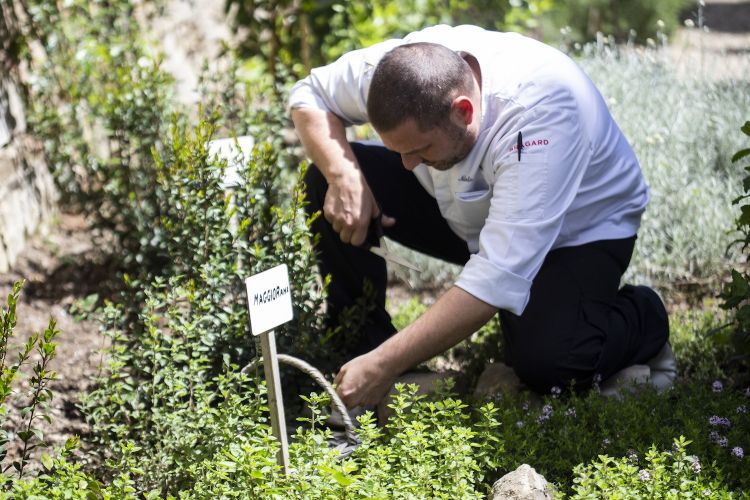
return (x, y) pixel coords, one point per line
(462, 109)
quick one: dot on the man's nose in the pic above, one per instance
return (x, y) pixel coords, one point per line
(411, 161)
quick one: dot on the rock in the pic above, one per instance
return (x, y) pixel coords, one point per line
(522, 484)
(497, 379)
(427, 382)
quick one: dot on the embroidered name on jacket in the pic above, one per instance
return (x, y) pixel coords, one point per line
(530, 144)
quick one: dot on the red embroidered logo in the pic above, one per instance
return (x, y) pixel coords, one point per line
(529, 144)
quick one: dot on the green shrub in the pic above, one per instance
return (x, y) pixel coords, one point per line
(701, 340)
(634, 20)
(684, 146)
(176, 340)
(737, 292)
(29, 471)
(429, 449)
(165, 393)
(101, 102)
(663, 474)
(108, 116)
(562, 432)
(35, 408)
(440, 448)
(292, 37)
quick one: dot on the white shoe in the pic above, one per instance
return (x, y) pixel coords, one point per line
(663, 368)
(625, 378)
(659, 371)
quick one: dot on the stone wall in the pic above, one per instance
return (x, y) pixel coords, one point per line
(27, 192)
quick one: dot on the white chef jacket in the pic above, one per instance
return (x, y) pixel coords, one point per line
(577, 179)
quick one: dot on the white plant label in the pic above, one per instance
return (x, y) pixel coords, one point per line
(269, 299)
(227, 149)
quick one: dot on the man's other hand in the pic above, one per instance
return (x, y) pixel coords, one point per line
(350, 206)
(363, 380)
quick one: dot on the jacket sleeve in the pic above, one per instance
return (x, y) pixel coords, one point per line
(342, 86)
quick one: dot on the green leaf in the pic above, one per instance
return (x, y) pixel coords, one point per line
(744, 218)
(740, 154)
(337, 475)
(47, 461)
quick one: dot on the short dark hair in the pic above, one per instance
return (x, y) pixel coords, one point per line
(419, 81)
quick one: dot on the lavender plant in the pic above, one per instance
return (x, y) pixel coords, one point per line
(684, 144)
(566, 430)
(662, 474)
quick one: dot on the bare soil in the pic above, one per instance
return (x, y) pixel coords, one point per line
(59, 269)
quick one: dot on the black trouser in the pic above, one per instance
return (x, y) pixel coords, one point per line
(577, 324)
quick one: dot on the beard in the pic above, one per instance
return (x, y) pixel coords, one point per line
(463, 141)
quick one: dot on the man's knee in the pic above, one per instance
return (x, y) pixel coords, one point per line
(538, 368)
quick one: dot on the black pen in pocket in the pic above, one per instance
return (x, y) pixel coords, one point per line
(519, 145)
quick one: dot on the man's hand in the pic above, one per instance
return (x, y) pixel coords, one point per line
(364, 380)
(350, 206)
(455, 316)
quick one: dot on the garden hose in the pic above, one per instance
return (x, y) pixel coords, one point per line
(351, 433)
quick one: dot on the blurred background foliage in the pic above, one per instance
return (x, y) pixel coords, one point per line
(301, 34)
(628, 20)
